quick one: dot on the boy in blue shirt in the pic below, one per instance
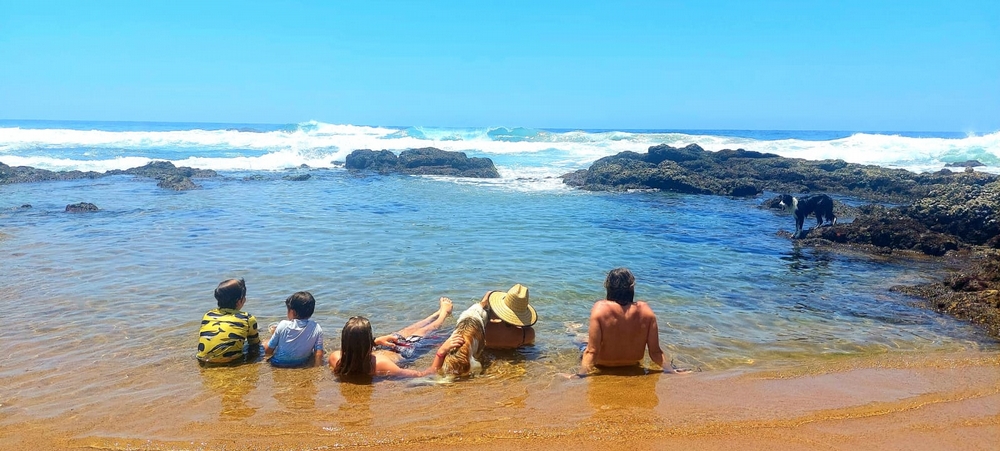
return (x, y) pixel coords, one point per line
(297, 341)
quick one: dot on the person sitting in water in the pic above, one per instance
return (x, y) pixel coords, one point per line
(363, 355)
(621, 329)
(228, 334)
(297, 341)
(510, 318)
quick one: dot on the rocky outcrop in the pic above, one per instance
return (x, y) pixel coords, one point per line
(426, 161)
(163, 169)
(943, 213)
(81, 207)
(742, 173)
(176, 183)
(297, 177)
(972, 293)
(965, 164)
(169, 176)
(969, 211)
(26, 174)
(882, 230)
(949, 218)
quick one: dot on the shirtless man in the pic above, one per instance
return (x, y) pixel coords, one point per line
(621, 330)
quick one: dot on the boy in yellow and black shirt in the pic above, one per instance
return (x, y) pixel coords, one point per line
(229, 335)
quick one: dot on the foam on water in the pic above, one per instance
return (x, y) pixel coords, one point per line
(520, 153)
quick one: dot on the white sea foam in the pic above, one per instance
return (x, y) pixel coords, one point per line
(519, 153)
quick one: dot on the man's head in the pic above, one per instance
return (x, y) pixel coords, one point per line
(230, 292)
(302, 303)
(620, 285)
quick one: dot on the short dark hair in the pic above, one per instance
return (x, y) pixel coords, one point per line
(229, 292)
(302, 303)
(620, 285)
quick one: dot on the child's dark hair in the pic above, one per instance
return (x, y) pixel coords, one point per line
(229, 292)
(302, 303)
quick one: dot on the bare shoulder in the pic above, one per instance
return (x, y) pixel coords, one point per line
(644, 309)
(334, 358)
(603, 306)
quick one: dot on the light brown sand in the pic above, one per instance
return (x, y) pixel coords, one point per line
(892, 402)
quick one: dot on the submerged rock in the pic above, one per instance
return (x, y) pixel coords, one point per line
(176, 183)
(965, 164)
(297, 177)
(972, 293)
(426, 161)
(81, 207)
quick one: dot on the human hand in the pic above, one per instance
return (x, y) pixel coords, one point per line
(451, 343)
(385, 340)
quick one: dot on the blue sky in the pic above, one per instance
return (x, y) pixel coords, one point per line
(846, 65)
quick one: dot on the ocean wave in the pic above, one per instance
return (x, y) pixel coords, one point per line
(102, 146)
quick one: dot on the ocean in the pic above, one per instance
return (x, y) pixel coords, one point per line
(91, 301)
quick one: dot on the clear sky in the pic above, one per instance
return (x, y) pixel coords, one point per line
(819, 65)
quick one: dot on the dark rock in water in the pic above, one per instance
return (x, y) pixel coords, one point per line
(972, 293)
(727, 172)
(965, 164)
(426, 161)
(81, 207)
(161, 169)
(297, 177)
(968, 211)
(887, 229)
(168, 175)
(25, 174)
(576, 179)
(383, 161)
(176, 183)
(26, 206)
(744, 189)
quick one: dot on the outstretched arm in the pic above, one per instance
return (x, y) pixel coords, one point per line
(388, 368)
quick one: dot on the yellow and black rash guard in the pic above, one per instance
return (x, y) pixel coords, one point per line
(224, 333)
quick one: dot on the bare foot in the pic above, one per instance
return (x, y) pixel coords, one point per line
(446, 306)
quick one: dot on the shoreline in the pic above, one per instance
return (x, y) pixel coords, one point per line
(891, 401)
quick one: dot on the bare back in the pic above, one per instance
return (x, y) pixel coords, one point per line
(619, 335)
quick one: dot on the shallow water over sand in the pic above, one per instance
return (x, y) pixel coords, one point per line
(102, 309)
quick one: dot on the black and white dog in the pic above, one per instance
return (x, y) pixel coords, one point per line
(819, 204)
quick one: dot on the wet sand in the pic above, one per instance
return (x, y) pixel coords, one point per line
(887, 402)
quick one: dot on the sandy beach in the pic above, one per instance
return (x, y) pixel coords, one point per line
(889, 402)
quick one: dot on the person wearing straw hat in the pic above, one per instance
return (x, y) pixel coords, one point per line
(511, 318)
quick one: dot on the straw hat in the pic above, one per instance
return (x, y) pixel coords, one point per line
(512, 307)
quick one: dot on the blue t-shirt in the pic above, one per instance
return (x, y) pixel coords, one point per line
(295, 341)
